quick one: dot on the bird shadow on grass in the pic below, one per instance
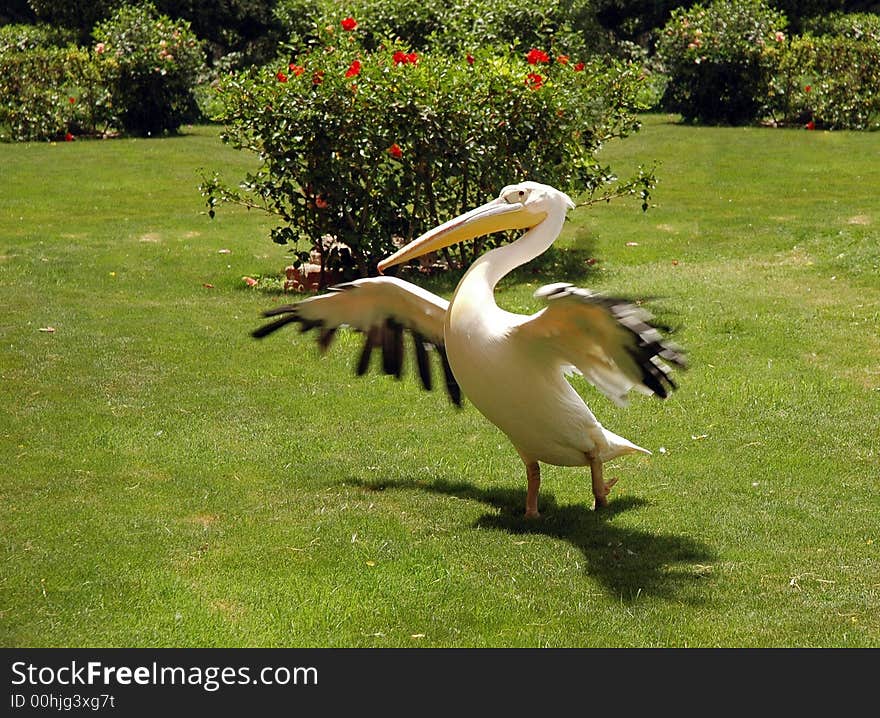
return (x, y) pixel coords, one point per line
(628, 562)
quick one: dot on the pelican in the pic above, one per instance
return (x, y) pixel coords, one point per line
(513, 368)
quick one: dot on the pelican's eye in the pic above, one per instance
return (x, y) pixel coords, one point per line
(516, 196)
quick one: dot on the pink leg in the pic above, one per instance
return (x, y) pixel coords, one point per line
(533, 476)
(601, 488)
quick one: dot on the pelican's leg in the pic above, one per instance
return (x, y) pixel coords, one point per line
(601, 488)
(533, 476)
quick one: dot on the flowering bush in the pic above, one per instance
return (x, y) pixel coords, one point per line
(71, 103)
(719, 59)
(375, 148)
(567, 26)
(151, 65)
(831, 81)
(452, 27)
(29, 109)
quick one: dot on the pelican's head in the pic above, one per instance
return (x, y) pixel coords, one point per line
(519, 206)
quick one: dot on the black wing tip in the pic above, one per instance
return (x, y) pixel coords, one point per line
(387, 337)
(325, 339)
(656, 374)
(422, 361)
(272, 327)
(283, 309)
(452, 387)
(371, 339)
(653, 353)
(290, 314)
(392, 348)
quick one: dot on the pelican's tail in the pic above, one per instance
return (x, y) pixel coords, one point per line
(618, 446)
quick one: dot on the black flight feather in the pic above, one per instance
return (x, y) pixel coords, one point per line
(267, 329)
(326, 338)
(451, 384)
(388, 337)
(648, 344)
(392, 348)
(370, 340)
(422, 361)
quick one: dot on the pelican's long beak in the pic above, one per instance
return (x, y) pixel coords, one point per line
(495, 216)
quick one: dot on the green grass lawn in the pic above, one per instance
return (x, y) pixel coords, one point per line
(168, 481)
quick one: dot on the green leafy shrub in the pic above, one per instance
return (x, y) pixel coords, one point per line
(413, 22)
(655, 80)
(566, 26)
(719, 60)
(244, 27)
(375, 148)
(856, 25)
(80, 16)
(454, 27)
(48, 91)
(152, 65)
(32, 109)
(831, 81)
(28, 37)
(299, 20)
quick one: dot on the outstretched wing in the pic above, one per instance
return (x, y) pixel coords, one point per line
(382, 308)
(611, 341)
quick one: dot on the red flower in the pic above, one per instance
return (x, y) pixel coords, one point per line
(579, 67)
(536, 56)
(470, 59)
(403, 58)
(321, 202)
(354, 69)
(281, 77)
(562, 59)
(808, 88)
(810, 125)
(69, 137)
(395, 151)
(534, 81)
(71, 100)
(297, 70)
(349, 24)
(318, 77)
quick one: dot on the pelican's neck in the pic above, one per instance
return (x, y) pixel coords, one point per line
(496, 264)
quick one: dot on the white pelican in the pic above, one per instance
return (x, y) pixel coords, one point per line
(512, 367)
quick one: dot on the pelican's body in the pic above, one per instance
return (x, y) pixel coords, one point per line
(520, 390)
(528, 399)
(512, 367)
